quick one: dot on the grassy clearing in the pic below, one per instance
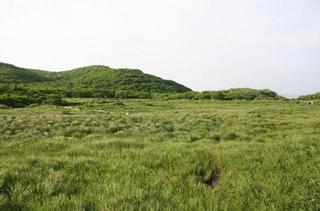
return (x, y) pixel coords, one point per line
(155, 155)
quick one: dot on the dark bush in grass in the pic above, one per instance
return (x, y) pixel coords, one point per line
(216, 137)
(55, 100)
(231, 136)
(18, 101)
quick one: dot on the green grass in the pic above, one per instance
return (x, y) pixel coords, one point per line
(161, 155)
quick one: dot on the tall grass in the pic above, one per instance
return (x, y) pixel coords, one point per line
(161, 155)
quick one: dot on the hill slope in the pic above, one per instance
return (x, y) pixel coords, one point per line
(12, 74)
(315, 96)
(91, 77)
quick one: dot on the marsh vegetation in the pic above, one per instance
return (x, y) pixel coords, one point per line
(100, 154)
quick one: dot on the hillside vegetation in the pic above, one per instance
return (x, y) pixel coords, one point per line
(230, 94)
(91, 77)
(12, 74)
(20, 87)
(315, 96)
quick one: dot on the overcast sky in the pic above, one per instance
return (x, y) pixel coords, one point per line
(203, 44)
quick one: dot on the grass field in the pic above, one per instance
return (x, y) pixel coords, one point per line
(161, 155)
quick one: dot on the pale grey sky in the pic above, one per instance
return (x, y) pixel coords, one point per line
(203, 44)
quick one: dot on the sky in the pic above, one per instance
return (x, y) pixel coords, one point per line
(203, 44)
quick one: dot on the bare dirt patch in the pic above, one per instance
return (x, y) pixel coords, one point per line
(213, 179)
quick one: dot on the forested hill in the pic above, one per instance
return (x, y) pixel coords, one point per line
(315, 96)
(20, 87)
(91, 77)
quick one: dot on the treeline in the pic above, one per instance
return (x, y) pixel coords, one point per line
(230, 94)
(23, 95)
(22, 100)
(18, 96)
(32, 90)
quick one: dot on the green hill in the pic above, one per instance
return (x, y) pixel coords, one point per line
(315, 96)
(21, 87)
(91, 77)
(12, 74)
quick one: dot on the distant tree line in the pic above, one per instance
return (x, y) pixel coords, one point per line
(230, 94)
(22, 95)
(315, 96)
